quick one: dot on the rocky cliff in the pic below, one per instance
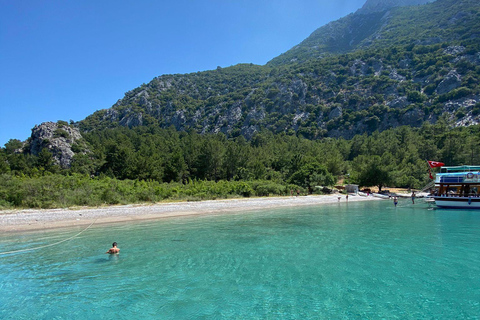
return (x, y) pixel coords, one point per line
(59, 139)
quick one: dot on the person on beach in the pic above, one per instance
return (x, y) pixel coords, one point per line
(395, 201)
(114, 249)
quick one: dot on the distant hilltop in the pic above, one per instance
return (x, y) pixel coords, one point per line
(370, 26)
(381, 5)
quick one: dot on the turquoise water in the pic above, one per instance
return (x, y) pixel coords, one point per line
(339, 261)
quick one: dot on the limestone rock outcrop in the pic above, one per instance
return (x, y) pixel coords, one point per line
(57, 138)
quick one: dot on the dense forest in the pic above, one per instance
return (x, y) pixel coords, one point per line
(149, 164)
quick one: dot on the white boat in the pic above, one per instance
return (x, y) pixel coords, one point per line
(457, 187)
(381, 196)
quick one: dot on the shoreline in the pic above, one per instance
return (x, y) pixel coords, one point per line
(44, 219)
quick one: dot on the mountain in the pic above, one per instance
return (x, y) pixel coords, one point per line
(376, 69)
(382, 23)
(382, 5)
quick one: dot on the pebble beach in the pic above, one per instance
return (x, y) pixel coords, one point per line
(31, 219)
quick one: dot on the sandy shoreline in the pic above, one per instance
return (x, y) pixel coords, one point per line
(29, 220)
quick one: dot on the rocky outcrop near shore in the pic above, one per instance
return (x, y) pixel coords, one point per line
(59, 138)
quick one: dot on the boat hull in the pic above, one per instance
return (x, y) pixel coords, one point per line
(457, 202)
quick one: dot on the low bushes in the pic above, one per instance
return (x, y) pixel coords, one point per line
(60, 191)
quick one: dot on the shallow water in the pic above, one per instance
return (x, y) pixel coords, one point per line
(340, 261)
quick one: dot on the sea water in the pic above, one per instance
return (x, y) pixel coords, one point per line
(365, 260)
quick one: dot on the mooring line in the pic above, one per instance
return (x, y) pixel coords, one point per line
(49, 245)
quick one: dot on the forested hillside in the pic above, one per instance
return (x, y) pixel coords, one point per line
(152, 164)
(380, 24)
(424, 62)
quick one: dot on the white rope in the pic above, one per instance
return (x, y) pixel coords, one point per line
(48, 245)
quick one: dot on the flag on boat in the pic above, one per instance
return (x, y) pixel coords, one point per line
(435, 164)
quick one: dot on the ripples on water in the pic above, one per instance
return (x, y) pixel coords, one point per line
(353, 261)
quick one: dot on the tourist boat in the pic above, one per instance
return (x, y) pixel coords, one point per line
(457, 187)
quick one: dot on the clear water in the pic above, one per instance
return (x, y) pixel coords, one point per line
(339, 261)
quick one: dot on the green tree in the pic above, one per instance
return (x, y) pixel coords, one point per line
(83, 164)
(210, 160)
(4, 167)
(118, 161)
(236, 157)
(175, 167)
(312, 174)
(45, 160)
(372, 172)
(13, 145)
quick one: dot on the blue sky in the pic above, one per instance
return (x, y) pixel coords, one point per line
(63, 60)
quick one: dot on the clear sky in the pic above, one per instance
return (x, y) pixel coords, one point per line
(63, 60)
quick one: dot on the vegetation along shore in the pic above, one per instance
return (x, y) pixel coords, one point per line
(138, 165)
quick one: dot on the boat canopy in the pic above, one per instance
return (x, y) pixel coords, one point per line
(460, 169)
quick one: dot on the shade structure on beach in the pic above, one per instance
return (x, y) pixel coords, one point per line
(352, 188)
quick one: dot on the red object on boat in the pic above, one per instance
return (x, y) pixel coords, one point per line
(435, 164)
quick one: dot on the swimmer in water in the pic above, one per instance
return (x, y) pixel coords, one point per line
(114, 249)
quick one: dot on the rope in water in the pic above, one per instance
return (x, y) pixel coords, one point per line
(49, 245)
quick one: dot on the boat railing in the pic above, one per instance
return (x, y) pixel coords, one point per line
(458, 177)
(457, 195)
(430, 185)
(450, 179)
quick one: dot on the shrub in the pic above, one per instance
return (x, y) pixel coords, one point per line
(268, 188)
(243, 189)
(415, 96)
(60, 133)
(476, 109)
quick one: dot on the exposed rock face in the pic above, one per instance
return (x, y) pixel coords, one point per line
(451, 81)
(465, 107)
(335, 113)
(58, 139)
(398, 103)
(454, 50)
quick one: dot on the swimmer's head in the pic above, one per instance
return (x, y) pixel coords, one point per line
(114, 244)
